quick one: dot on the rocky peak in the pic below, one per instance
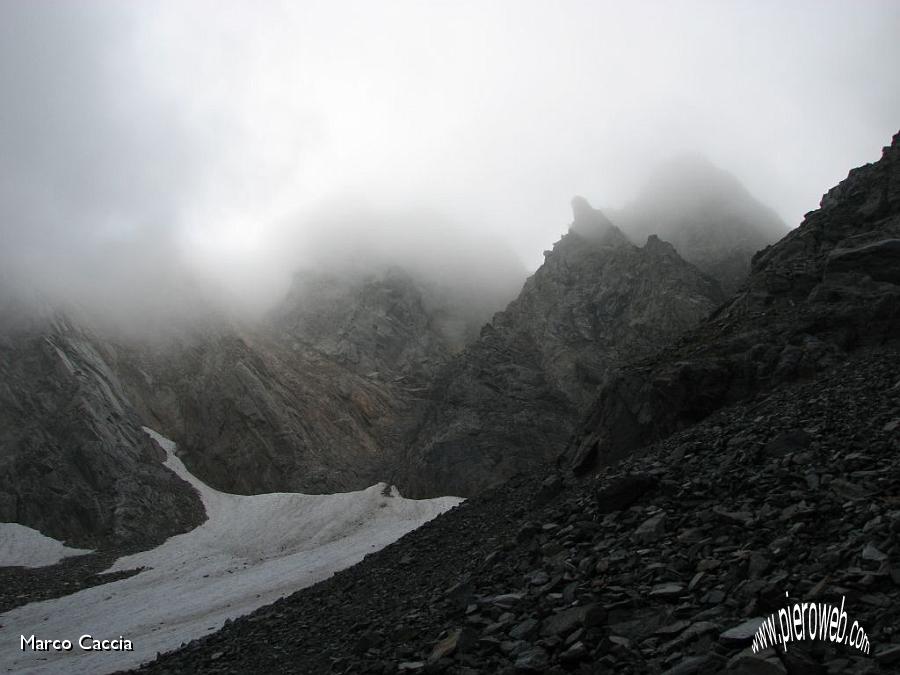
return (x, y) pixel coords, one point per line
(380, 323)
(588, 221)
(826, 289)
(657, 246)
(511, 397)
(707, 214)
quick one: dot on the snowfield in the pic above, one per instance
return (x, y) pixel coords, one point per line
(22, 546)
(251, 551)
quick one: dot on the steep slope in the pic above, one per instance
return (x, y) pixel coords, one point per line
(511, 398)
(313, 399)
(382, 324)
(827, 288)
(252, 414)
(75, 464)
(663, 564)
(705, 212)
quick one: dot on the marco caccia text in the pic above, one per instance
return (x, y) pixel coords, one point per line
(87, 643)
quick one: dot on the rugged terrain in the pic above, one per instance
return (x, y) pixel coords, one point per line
(828, 288)
(75, 464)
(512, 398)
(708, 216)
(252, 414)
(751, 465)
(648, 566)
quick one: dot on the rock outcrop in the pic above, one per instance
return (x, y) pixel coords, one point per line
(705, 212)
(824, 290)
(383, 325)
(75, 463)
(252, 414)
(512, 398)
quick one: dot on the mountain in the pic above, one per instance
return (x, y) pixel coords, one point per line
(75, 464)
(386, 324)
(706, 213)
(826, 289)
(252, 414)
(511, 399)
(776, 483)
(665, 563)
(365, 372)
(314, 400)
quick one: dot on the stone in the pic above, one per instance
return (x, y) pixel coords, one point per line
(742, 634)
(870, 552)
(697, 665)
(879, 260)
(532, 660)
(524, 630)
(887, 656)
(624, 491)
(566, 620)
(651, 529)
(753, 664)
(457, 639)
(667, 591)
(574, 653)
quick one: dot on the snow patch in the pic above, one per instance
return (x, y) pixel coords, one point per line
(22, 546)
(251, 551)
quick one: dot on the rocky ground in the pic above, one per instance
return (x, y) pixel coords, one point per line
(22, 585)
(655, 564)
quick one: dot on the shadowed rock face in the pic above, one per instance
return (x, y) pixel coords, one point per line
(710, 218)
(75, 463)
(827, 288)
(252, 414)
(512, 398)
(383, 324)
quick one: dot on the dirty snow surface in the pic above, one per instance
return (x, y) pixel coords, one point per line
(21, 546)
(250, 552)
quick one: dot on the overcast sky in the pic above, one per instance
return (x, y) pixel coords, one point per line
(134, 135)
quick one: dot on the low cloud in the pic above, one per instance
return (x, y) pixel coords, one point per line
(152, 151)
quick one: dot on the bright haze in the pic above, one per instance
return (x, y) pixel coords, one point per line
(151, 148)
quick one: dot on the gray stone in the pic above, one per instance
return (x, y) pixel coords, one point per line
(651, 529)
(743, 633)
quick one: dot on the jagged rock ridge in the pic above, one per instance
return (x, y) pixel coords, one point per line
(705, 212)
(827, 288)
(511, 399)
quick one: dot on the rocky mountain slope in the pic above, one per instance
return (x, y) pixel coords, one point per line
(75, 464)
(313, 400)
(705, 212)
(664, 563)
(826, 289)
(765, 491)
(512, 398)
(252, 414)
(384, 324)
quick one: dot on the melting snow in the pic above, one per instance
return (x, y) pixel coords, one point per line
(251, 551)
(22, 546)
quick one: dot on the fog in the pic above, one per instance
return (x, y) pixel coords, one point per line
(159, 151)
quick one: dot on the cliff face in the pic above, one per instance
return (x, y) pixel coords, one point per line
(708, 216)
(511, 399)
(75, 463)
(251, 416)
(827, 288)
(384, 324)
